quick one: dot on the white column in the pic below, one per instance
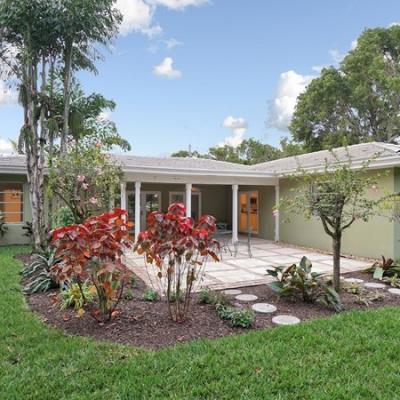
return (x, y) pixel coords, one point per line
(276, 213)
(235, 189)
(188, 199)
(137, 208)
(123, 196)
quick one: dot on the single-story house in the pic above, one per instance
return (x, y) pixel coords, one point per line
(241, 196)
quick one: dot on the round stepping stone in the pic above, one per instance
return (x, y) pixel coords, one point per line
(232, 292)
(246, 297)
(285, 320)
(374, 285)
(263, 308)
(395, 291)
(353, 280)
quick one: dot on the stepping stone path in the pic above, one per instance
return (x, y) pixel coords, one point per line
(374, 285)
(353, 280)
(285, 320)
(395, 291)
(246, 297)
(263, 308)
(232, 292)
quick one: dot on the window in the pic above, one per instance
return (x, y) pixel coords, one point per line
(12, 202)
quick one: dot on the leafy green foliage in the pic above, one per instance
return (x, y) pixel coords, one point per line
(393, 280)
(85, 179)
(300, 281)
(150, 295)
(240, 318)
(64, 217)
(250, 151)
(76, 296)
(38, 272)
(386, 268)
(205, 297)
(357, 102)
(133, 280)
(3, 224)
(128, 294)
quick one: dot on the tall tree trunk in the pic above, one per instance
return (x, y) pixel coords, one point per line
(34, 155)
(67, 93)
(51, 134)
(336, 248)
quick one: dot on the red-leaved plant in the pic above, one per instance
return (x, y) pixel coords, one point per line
(93, 251)
(177, 249)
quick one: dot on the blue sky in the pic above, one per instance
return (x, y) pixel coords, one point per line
(237, 67)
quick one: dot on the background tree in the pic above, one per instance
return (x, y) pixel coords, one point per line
(250, 151)
(338, 197)
(357, 102)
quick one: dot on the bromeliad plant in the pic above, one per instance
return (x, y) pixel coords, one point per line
(299, 280)
(92, 252)
(385, 269)
(178, 250)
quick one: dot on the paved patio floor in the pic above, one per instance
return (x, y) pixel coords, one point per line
(242, 270)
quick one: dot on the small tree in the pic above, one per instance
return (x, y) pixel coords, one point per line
(337, 196)
(178, 250)
(84, 179)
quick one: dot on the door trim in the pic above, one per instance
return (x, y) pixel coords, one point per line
(248, 192)
(143, 194)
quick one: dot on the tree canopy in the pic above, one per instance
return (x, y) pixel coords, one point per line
(250, 151)
(358, 101)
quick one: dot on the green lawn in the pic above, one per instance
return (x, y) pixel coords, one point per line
(350, 356)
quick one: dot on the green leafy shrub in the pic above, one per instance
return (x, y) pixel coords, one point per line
(28, 231)
(394, 280)
(205, 297)
(368, 298)
(300, 281)
(3, 225)
(64, 217)
(133, 280)
(38, 272)
(76, 296)
(128, 294)
(386, 268)
(240, 318)
(150, 295)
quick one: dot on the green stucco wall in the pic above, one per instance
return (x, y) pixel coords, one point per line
(15, 233)
(368, 239)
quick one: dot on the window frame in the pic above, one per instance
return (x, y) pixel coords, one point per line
(23, 213)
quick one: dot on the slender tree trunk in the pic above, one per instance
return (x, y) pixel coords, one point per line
(336, 248)
(51, 135)
(67, 93)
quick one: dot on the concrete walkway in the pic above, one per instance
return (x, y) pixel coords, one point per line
(233, 272)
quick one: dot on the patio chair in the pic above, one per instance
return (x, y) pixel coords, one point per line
(223, 235)
(246, 242)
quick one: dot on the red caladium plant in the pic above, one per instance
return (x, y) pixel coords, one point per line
(177, 249)
(93, 251)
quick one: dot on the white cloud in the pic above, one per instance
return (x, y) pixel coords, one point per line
(6, 147)
(336, 56)
(171, 43)
(137, 17)
(281, 109)
(166, 69)
(238, 127)
(178, 4)
(393, 24)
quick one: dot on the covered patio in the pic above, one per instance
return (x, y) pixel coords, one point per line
(242, 270)
(240, 199)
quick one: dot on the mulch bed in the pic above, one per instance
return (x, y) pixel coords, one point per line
(146, 324)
